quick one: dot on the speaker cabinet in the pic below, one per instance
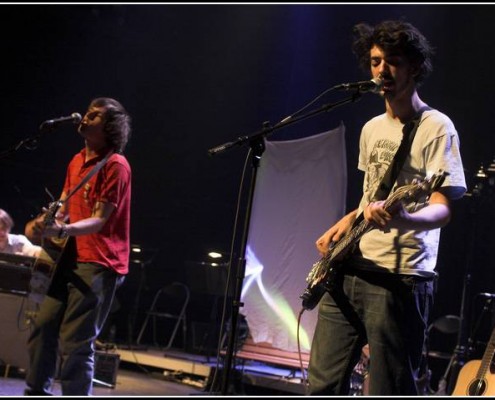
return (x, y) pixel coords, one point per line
(15, 317)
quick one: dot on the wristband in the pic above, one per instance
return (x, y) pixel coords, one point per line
(62, 233)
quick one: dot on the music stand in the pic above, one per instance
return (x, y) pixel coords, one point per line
(208, 278)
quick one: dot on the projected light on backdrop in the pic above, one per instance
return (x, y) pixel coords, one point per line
(275, 300)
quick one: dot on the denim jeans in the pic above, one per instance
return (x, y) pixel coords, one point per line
(387, 311)
(69, 320)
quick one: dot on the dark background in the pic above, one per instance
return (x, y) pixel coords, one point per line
(196, 76)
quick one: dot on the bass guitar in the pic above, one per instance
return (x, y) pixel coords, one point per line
(323, 273)
(52, 250)
(476, 377)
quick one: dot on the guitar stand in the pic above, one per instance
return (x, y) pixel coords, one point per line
(444, 380)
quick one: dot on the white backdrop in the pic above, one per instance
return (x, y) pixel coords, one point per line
(300, 192)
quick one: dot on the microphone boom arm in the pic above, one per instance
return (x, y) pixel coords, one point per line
(31, 142)
(268, 130)
(258, 146)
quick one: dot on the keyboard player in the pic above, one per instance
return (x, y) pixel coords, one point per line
(12, 243)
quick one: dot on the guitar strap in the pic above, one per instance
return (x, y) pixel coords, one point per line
(388, 180)
(95, 169)
(44, 272)
(408, 133)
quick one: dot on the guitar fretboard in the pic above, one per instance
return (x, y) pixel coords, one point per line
(341, 248)
(322, 268)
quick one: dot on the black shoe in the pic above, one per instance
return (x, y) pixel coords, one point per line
(32, 392)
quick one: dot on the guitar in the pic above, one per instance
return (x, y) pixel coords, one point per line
(323, 273)
(45, 265)
(476, 377)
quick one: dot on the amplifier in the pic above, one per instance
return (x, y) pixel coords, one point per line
(15, 330)
(15, 273)
(14, 279)
(106, 368)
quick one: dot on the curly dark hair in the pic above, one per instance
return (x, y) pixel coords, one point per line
(117, 122)
(393, 37)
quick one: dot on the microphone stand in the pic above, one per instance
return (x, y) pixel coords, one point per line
(30, 142)
(256, 142)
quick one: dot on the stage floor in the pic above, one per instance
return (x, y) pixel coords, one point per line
(206, 372)
(129, 382)
(150, 371)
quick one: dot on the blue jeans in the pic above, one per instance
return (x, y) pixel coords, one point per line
(70, 318)
(387, 311)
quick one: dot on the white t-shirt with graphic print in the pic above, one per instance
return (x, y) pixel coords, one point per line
(435, 148)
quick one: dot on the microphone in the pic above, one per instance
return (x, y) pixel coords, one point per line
(374, 85)
(487, 295)
(74, 118)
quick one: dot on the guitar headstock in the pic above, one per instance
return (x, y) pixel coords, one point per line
(429, 185)
(417, 189)
(434, 182)
(51, 213)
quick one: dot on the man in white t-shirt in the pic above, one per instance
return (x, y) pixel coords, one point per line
(383, 290)
(12, 243)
